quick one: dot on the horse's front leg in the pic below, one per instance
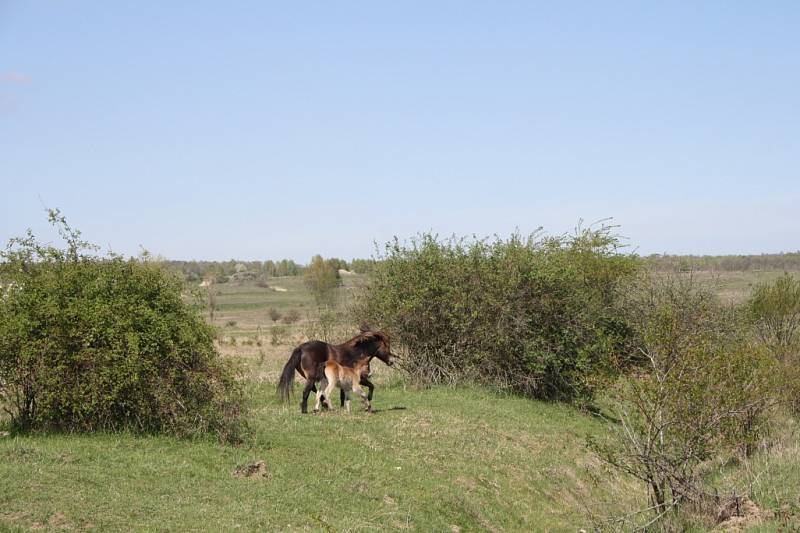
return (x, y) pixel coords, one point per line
(368, 384)
(328, 392)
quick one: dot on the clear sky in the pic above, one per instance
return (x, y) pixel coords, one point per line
(263, 130)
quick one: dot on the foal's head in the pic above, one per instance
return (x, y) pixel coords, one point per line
(376, 344)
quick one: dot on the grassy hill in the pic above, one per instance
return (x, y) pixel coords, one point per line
(432, 460)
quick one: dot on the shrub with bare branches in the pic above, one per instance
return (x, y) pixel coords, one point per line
(701, 392)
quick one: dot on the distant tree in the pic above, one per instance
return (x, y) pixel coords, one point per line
(211, 297)
(361, 266)
(287, 267)
(321, 278)
(274, 314)
(337, 263)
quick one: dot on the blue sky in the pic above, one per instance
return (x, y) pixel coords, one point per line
(266, 130)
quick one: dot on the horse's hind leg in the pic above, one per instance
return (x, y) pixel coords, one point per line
(319, 393)
(306, 392)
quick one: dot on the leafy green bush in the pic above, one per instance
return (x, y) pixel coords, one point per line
(278, 335)
(533, 315)
(775, 310)
(89, 343)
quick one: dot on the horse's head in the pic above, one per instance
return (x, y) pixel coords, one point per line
(376, 344)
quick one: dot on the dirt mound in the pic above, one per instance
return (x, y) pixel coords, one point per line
(739, 513)
(255, 470)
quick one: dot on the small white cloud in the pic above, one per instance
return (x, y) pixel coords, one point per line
(15, 77)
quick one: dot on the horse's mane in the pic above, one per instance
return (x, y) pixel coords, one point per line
(365, 336)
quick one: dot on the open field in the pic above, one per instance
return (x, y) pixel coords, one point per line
(428, 460)
(248, 305)
(734, 287)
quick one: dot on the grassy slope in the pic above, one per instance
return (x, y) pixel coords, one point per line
(449, 457)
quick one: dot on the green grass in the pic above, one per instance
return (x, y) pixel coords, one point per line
(428, 460)
(772, 476)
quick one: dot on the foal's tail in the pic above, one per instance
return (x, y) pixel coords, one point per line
(286, 383)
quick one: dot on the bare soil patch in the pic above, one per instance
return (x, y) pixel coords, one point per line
(252, 471)
(740, 513)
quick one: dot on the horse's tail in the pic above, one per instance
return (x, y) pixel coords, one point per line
(286, 383)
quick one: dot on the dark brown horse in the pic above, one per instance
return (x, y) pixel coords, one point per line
(310, 357)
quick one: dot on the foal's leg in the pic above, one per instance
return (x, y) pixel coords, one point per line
(364, 381)
(330, 376)
(364, 397)
(328, 392)
(323, 384)
(346, 399)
